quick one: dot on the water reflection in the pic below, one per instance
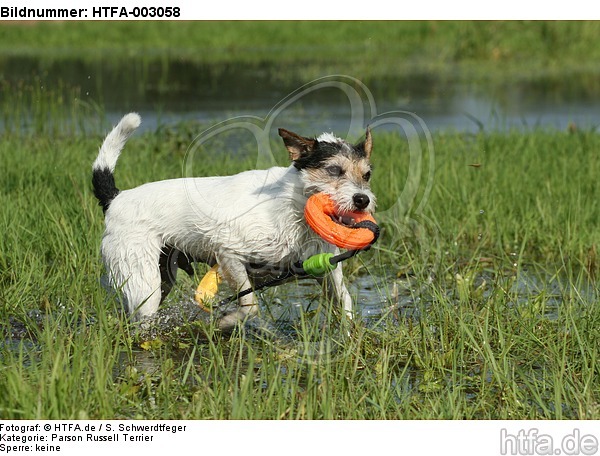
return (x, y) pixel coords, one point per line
(169, 90)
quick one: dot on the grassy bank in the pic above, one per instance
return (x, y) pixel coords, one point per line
(486, 49)
(472, 344)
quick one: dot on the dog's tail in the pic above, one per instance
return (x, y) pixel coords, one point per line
(103, 168)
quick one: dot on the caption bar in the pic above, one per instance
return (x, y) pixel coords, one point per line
(114, 437)
(95, 12)
(56, 437)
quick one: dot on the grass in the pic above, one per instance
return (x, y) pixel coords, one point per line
(473, 345)
(488, 266)
(463, 48)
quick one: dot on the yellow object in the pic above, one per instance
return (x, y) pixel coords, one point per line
(208, 287)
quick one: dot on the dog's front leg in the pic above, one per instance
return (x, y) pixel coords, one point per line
(234, 273)
(335, 287)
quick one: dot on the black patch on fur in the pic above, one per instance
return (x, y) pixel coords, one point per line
(359, 149)
(323, 151)
(105, 189)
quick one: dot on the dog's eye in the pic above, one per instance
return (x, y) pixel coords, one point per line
(367, 176)
(334, 170)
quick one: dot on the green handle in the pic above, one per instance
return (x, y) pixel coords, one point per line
(318, 265)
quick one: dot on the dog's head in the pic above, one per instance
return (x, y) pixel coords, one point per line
(331, 165)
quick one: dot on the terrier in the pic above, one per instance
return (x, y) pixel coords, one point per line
(251, 224)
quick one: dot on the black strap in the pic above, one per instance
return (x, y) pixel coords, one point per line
(297, 270)
(368, 224)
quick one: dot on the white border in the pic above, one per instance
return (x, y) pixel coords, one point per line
(346, 438)
(341, 10)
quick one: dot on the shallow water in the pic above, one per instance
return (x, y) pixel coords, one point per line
(381, 303)
(377, 299)
(168, 91)
(381, 300)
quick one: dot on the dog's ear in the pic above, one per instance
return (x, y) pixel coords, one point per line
(297, 145)
(367, 144)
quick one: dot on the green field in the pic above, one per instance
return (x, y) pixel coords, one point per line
(362, 48)
(480, 348)
(488, 277)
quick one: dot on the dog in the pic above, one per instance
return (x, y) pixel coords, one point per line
(251, 224)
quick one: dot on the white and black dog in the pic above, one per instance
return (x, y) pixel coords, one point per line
(250, 224)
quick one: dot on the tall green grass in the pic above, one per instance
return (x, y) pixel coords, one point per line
(473, 344)
(351, 47)
(532, 194)
(31, 107)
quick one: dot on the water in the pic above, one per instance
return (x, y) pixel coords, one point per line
(381, 300)
(167, 91)
(381, 303)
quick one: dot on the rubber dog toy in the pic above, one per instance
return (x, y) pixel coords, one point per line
(338, 228)
(353, 231)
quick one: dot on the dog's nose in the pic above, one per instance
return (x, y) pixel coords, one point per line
(360, 200)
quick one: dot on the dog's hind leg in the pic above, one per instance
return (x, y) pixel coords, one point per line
(168, 265)
(133, 268)
(170, 261)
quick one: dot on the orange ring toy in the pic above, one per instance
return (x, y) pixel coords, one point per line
(321, 216)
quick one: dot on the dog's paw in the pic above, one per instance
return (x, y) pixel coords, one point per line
(229, 321)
